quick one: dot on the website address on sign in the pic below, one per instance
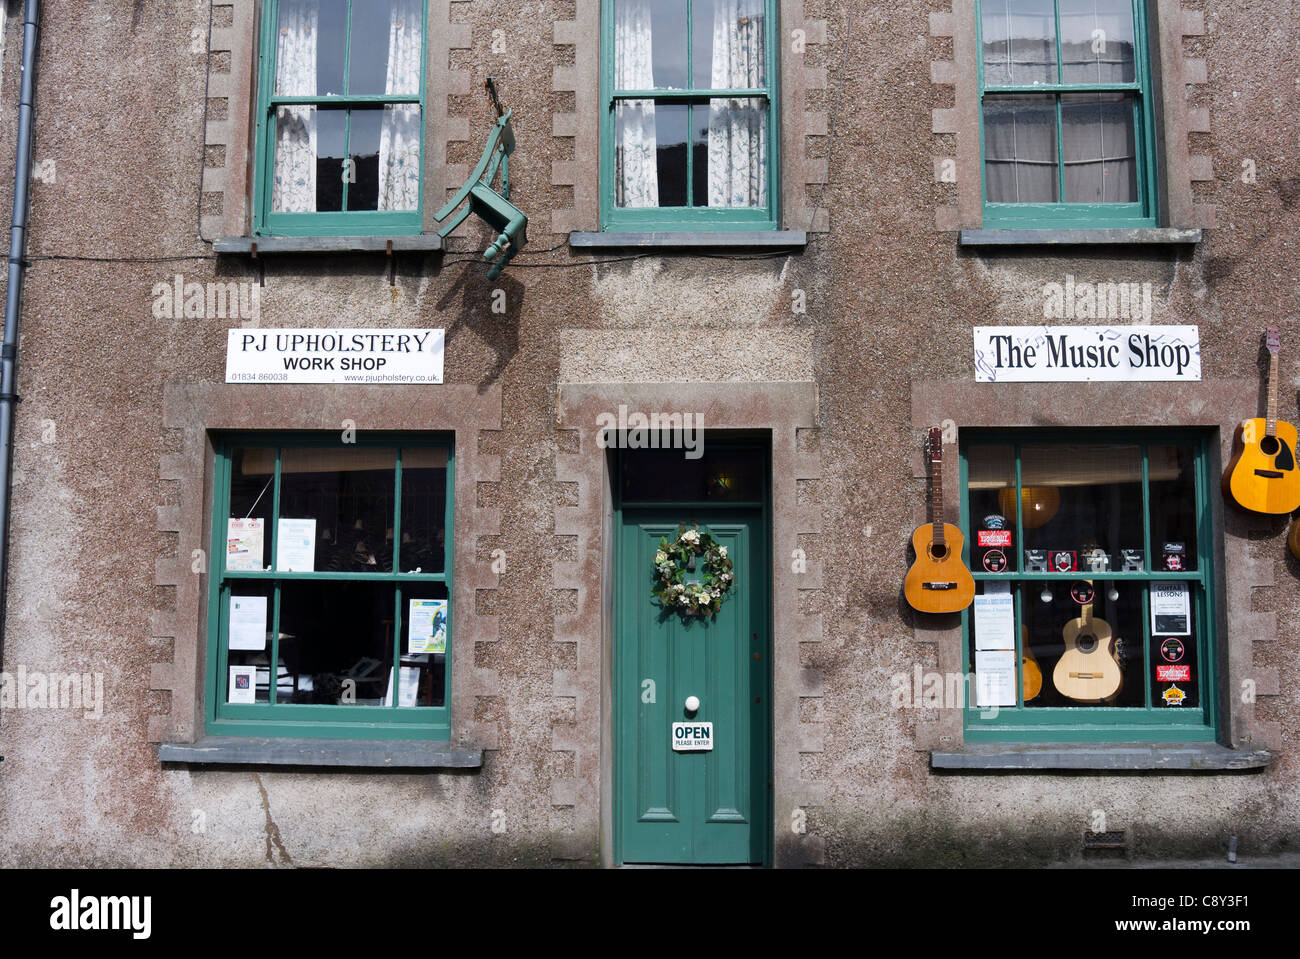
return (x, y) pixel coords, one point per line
(1203, 926)
(389, 378)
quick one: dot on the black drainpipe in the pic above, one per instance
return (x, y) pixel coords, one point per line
(13, 298)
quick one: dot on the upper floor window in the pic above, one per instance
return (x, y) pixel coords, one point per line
(340, 117)
(1066, 114)
(690, 120)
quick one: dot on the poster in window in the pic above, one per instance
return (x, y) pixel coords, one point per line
(1171, 609)
(247, 622)
(295, 546)
(242, 688)
(244, 539)
(427, 626)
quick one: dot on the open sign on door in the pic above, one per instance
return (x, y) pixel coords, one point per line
(692, 737)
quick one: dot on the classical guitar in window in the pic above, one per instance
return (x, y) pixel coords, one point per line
(1088, 671)
(1263, 476)
(938, 581)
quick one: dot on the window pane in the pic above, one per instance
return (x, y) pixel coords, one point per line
(248, 525)
(363, 151)
(423, 679)
(650, 44)
(424, 510)
(310, 44)
(1019, 39)
(730, 144)
(1020, 149)
(666, 475)
(387, 47)
(248, 613)
(670, 153)
(1098, 140)
(1173, 507)
(729, 44)
(1097, 41)
(336, 642)
(1104, 657)
(991, 485)
(342, 499)
(1080, 498)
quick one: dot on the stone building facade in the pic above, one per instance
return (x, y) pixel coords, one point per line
(816, 342)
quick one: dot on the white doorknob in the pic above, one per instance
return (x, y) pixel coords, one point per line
(692, 703)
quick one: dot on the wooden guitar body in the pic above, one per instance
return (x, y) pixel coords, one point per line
(1263, 475)
(939, 581)
(1087, 671)
(1031, 674)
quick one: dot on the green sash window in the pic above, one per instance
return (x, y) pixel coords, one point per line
(1094, 616)
(340, 117)
(330, 611)
(1066, 114)
(689, 124)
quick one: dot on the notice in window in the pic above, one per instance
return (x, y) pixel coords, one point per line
(427, 626)
(295, 546)
(995, 677)
(242, 688)
(248, 622)
(995, 621)
(244, 539)
(1171, 609)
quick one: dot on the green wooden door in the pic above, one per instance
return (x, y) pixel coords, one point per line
(691, 807)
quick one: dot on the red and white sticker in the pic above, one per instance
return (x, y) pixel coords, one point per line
(1173, 674)
(993, 537)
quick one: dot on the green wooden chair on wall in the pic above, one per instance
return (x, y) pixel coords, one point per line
(479, 197)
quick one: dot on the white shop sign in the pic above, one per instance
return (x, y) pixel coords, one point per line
(1045, 354)
(334, 356)
(692, 737)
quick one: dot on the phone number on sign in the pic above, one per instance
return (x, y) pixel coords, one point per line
(256, 377)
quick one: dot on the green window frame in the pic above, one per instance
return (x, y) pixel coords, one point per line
(1150, 720)
(342, 222)
(1144, 211)
(696, 99)
(389, 720)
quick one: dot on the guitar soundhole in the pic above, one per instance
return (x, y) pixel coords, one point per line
(1269, 445)
(938, 553)
(1085, 643)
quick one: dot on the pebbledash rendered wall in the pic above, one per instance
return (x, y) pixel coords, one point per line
(113, 475)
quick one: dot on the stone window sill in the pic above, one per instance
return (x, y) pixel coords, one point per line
(351, 753)
(1152, 236)
(1158, 757)
(422, 243)
(719, 239)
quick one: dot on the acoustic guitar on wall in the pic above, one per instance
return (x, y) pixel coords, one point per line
(938, 581)
(1088, 671)
(1263, 476)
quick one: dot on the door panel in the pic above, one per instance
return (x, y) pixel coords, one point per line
(704, 807)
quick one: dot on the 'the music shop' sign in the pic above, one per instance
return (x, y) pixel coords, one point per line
(1044, 354)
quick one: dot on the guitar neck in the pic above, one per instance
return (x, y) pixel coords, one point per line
(936, 467)
(1271, 427)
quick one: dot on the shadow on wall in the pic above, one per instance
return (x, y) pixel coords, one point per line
(488, 308)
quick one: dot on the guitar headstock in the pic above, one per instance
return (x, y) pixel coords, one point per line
(1273, 339)
(934, 444)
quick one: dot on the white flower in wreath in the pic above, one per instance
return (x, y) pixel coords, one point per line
(691, 536)
(722, 551)
(702, 599)
(660, 557)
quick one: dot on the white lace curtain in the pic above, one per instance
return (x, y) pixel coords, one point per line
(294, 174)
(738, 128)
(737, 143)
